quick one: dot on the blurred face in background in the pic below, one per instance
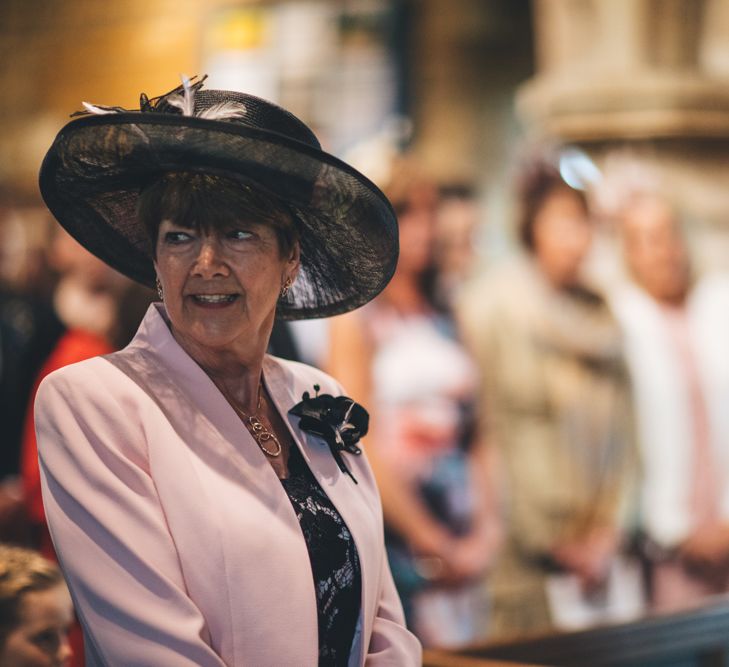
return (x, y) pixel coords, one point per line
(562, 234)
(69, 257)
(454, 238)
(416, 219)
(655, 250)
(87, 292)
(41, 637)
(24, 234)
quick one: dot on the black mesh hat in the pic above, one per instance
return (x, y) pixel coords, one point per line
(93, 173)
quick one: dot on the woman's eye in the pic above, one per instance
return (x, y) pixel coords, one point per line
(239, 234)
(177, 237)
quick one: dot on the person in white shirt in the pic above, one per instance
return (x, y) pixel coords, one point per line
(676, 329)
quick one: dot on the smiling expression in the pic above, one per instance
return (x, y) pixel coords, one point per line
(221, 286)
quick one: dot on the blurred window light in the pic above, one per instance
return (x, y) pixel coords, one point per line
(238, 51)
(334, 65)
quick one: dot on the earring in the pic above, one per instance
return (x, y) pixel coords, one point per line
(286, 287)
(160, 293)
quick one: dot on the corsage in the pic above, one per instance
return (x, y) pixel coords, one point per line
(338, 420)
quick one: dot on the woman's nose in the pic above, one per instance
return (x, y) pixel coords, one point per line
(210, 261)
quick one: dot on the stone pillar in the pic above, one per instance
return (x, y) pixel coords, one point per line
(468, 57)
(651, 76)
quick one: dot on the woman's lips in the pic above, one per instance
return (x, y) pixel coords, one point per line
(213, 300)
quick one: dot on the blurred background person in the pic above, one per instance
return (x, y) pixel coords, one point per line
(29, 328)
(555, 404)
(100, 310)
(454, 254)
(35, 611)
(677, 327)
(87, 301)
(400, 357)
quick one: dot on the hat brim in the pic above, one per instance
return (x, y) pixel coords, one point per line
(92, 175)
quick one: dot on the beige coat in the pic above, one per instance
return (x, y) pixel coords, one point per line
(178, 541)
(555, 402)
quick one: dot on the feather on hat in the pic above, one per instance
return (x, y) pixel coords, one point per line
(92, 175)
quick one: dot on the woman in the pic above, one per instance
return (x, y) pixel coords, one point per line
(401, 356)
(556, 406)
(35, 611)
(199, 516)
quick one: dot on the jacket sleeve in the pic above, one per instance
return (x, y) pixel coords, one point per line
(110, 532)
(391, 643)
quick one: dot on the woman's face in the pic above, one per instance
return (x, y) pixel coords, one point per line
(221, 288)
(41, 637)
(562, 236)
(417, 230)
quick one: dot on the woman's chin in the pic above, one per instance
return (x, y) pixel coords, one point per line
(217, 338)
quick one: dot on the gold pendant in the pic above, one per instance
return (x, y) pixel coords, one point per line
(262, 436)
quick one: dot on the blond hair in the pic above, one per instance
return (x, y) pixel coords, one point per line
(407, 183)
(21, 571)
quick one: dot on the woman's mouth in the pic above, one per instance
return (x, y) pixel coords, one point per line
(214, 299)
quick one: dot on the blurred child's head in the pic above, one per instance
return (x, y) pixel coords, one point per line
(35, 611)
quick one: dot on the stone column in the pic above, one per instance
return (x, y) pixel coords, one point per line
(649, 76)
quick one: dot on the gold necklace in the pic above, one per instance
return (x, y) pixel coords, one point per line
(261, 434)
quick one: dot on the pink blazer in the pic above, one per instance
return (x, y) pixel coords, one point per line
(177, 539)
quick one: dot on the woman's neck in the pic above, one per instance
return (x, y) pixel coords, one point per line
(236, 372)
(239, 384)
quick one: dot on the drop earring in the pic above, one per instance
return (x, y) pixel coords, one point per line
(160, 293)
(286, 287)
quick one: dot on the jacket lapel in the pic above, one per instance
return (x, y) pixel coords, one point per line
(356, 503)
(212, 432)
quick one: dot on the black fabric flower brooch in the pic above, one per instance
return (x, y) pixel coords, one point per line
(339, 421)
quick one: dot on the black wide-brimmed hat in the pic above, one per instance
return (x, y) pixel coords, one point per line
(93, 173)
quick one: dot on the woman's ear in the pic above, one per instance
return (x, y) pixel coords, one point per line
(294, 261)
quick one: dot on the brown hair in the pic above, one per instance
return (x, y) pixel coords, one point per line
(407, 184)
(21, 571)
(536, 184)
(408, 187)
(208, 202)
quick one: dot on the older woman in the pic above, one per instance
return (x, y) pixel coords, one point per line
(35, 611)
(207, 501)
(555, 404)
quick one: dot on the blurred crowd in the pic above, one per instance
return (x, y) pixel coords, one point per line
(551, 448)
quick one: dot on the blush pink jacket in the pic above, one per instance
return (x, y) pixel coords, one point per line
(178, 541)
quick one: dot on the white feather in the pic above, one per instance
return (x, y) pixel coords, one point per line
(188, 106)
(224, 110)
(175, 101)
(92, 108)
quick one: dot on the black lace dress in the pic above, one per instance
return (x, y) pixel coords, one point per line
(334, 562)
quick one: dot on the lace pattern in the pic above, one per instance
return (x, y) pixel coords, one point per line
(334, 562)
